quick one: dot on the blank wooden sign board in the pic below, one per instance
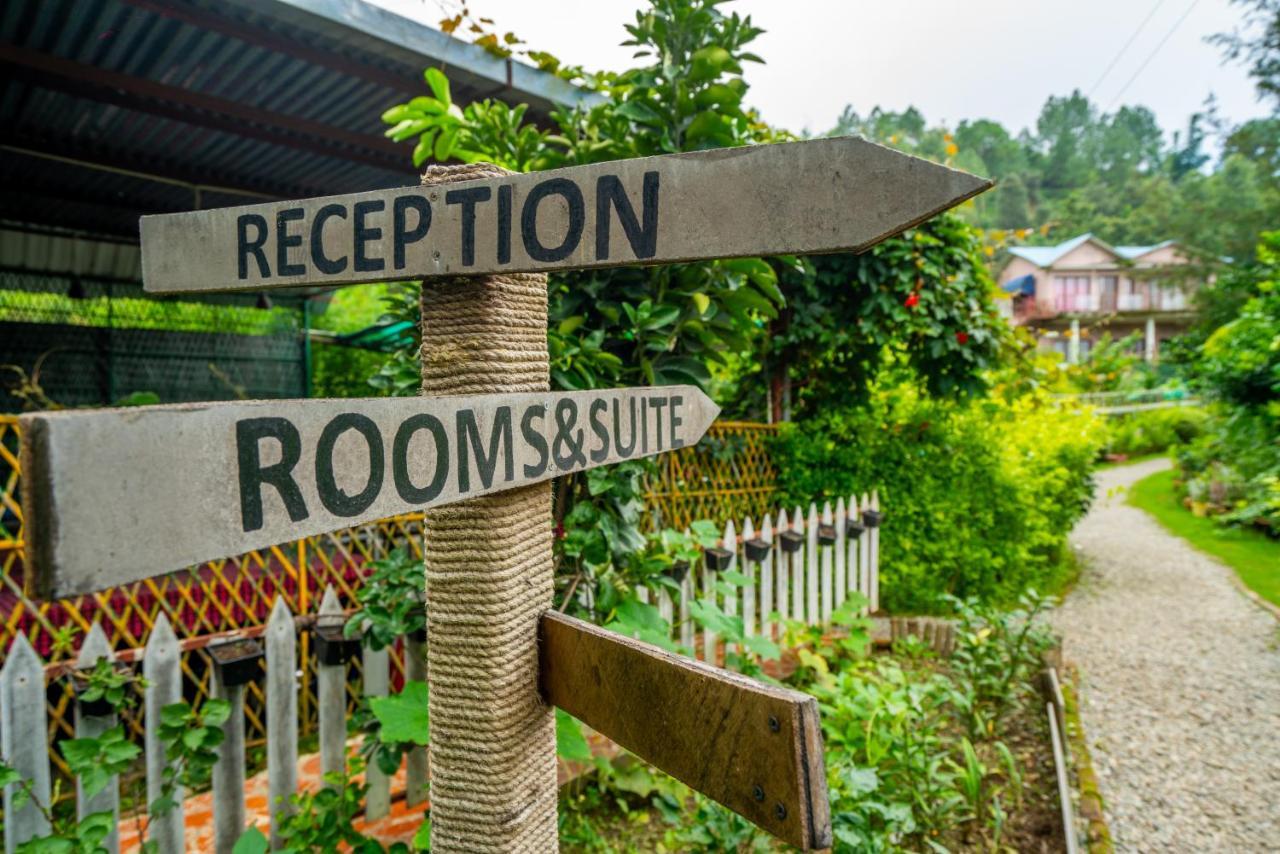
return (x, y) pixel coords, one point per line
(112, 496)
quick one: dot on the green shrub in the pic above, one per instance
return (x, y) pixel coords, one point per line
(1154, 431)
(978, 496)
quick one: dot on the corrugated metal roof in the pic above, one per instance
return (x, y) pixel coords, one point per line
(112, 109)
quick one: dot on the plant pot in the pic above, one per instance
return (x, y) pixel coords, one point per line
(718, 559)
(237, 660)
(333, 647)
(757, 549)
(792, 541)
(826, 535)
(853, 529)
(872, 518)
(678, 571)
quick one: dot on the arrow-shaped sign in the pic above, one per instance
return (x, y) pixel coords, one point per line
(826, 195)
(115, 495)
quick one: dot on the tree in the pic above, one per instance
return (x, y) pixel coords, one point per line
(1257, 44)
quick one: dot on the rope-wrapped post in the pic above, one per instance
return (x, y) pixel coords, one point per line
(489, 576)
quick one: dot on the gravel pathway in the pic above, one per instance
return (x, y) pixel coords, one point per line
(1180, 684)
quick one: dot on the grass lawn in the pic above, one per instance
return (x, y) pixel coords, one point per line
(1254, 557)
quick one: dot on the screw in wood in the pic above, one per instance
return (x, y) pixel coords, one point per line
(780, 811)
(774, 724)
(758, 792)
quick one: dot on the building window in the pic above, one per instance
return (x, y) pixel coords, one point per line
(1133, 296)
(1073, 293)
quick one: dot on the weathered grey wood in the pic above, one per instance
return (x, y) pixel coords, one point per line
(109, 495)
(753, 747)
(416, 766)
(282, 715)
(784, 573)
(377, 683)
(827, 556)
(864, 555)
(840, 555)
(228, 772)
(331, 698)
(873, 545)
(709, 638)
(686, 620)
(162, 668)
(811, 611)
(730, 542)
(96, 646)
(747, 568)
(24, 741)
(1064, 783)
(766, 581)
(808, 197)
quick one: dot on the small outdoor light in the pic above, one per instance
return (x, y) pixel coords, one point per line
(791, 541)
(872, 518)
(333, 647)
(757, 549)
(718, 559)
(853, 528)
(236, 660)
(679, 569)
(826, 535)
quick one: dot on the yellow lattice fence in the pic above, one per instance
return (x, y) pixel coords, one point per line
(727, 475)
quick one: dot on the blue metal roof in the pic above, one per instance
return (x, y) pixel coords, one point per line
(1047, 256)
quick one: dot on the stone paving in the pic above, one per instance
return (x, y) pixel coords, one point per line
(1180, 684)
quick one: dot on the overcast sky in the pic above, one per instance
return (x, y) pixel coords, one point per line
(953, 60)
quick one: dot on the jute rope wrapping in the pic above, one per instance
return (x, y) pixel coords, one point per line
(489, 576)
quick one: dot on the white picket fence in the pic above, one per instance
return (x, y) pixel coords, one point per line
(831, 552)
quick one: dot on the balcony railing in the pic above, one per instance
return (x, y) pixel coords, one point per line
(1162, 299)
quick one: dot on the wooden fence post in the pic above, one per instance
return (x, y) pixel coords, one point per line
(874, 537)
(282, 715)
(827, 556)
(749, 589)
(784, 573)
(841, 554)
(96, 646)
(766, 581)
(416, 764)
(162, 668)
(228, 771)
(331, 697)
(708, 595)
(377, 683)
(24, 741)
(812, 614)
(864, 556)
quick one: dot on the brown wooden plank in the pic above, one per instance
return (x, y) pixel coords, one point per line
(755, 748)
(825, 195)
(116, 495)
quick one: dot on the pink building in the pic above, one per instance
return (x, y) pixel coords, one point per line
(1070, 294)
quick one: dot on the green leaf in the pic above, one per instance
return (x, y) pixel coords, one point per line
(252, 841)
(425, 148)
(439, 85)
(404, 717)
(215, 712)
(422, 838)
(570, 742)
(444, 144)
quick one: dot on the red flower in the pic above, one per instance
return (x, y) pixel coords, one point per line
(912, 301)
(962, 337)
(558, 531)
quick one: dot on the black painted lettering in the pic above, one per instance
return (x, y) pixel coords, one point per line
(468, 198)
(674, 421)
(644, 426)
(658, 403)
(642, 237)
(534, 439)
(626, 452)
(246, 247)
(254, 475)
(598, 408)
(286, 241)
(405, 486)
(332, 496)
(322, 262)
(401, 234)
(366, 234)
(572, 196)
(486, 463)
(504, 224)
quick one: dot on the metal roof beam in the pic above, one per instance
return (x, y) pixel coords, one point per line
(183, 105)
(180, 11)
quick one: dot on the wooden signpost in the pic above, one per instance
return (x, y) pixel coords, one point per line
(110, 495)
(116, 495)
